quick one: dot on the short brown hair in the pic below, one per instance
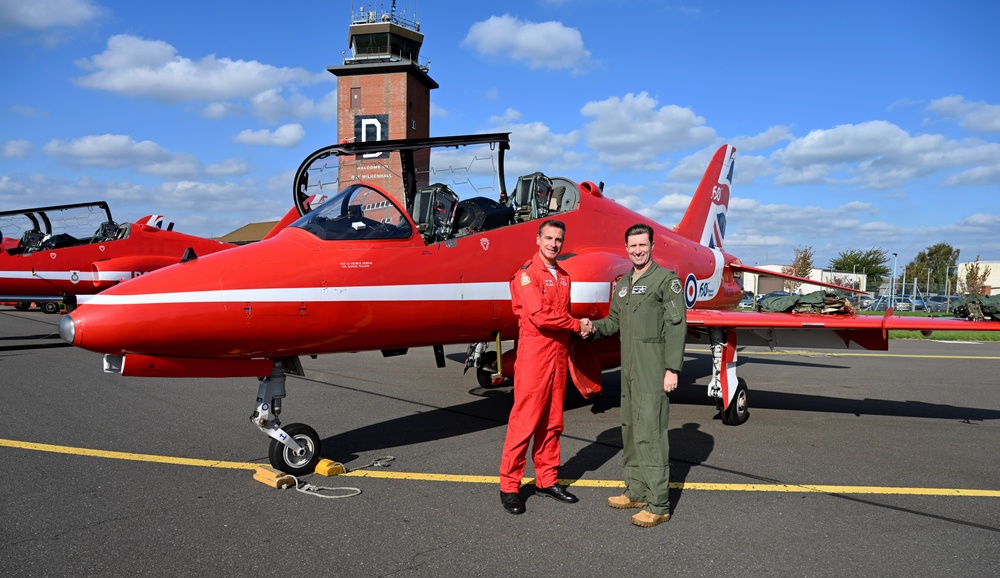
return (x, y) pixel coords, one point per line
(552, 223)
(638, 229)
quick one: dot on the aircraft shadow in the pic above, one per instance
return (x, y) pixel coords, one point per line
(489, 411)
(690, 392)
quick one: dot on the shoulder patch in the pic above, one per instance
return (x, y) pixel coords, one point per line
(525, 279)
(675, 285)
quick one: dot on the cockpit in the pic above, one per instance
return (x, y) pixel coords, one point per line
(370, 210)
(355, 213)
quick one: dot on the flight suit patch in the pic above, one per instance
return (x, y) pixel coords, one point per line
(623, 292)
(675, 286)
(639, 290)
(525, 280)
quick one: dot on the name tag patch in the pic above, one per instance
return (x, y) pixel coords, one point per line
(639, 290)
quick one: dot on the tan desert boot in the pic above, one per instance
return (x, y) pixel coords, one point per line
(648, 519)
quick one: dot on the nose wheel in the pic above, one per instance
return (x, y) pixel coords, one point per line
(296, 462)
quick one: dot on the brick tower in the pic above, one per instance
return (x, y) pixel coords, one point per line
(383, 93)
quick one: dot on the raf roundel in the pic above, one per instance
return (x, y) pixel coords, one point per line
(690, 290)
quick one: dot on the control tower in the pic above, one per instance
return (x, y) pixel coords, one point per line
(383, 93)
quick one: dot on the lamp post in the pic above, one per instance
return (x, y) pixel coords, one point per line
(892, 283)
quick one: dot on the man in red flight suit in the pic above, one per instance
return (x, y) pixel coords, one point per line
(539, 294)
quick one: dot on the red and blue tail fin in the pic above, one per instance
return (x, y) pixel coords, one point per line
(705, 220)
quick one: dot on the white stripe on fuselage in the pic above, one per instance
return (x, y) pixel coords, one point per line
(67, 275)
(580, 292)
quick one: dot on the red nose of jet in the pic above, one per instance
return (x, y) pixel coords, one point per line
(199, 308)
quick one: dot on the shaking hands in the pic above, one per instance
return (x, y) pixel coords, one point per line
(586, 328)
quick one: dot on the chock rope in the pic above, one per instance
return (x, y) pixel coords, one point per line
(349, 492)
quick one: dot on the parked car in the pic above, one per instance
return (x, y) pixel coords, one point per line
(899, 303)
(916, 302)
(866, 301)
(747, 302)
(939, 303)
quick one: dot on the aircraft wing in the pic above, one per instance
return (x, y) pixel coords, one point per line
(832, 331)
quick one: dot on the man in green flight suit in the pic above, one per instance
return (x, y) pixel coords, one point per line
(647, 310)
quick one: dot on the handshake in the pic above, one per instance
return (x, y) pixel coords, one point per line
(586, 328)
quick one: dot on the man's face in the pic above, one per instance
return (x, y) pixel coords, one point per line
(639, 249)
(550, 242)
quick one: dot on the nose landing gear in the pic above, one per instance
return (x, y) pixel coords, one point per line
(294, 449)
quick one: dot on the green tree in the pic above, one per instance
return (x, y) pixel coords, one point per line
(933, 264)
(873, 263)
(974, 278)
(802, 266)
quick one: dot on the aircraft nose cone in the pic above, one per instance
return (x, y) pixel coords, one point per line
(67, 329)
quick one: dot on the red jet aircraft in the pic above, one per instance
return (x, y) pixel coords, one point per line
(361, 271)
(46, 266)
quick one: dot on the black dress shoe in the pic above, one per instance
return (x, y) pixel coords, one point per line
(511, 502)
(558, 492)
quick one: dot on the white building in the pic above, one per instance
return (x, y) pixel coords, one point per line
(992, 285)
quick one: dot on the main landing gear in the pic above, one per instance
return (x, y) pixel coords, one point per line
(487, 363)
(729, 391)
(294, 449)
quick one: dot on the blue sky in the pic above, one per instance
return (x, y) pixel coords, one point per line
(857, 124)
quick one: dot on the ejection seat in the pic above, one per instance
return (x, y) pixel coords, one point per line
(531, 197)
(106, 231)
(434, 209)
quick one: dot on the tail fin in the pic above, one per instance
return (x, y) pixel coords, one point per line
(705, 219)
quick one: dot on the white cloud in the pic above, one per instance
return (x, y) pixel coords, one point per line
(228, 167)
(974, 116)
(632, 133)
(120, 151)
(219, 110)
(15, 149)
(537, 147)
(541, 45)
(881, 155)
(107, 150)
(509, 116)
(137, 67)
(287, 135)
(39, 15)
(767, 139)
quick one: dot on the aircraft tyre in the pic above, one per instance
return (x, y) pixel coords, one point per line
(22, 305)
(284, 459)
(484, 374)
(50, 307)
(738, 412)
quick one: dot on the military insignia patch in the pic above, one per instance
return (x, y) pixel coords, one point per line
(639, 290)
(623, 292)
(525, 280)
(675, 286)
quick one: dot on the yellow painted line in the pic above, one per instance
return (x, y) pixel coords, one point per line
(698, 486)
(495, 480)
(128, 456)
(853, 354)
